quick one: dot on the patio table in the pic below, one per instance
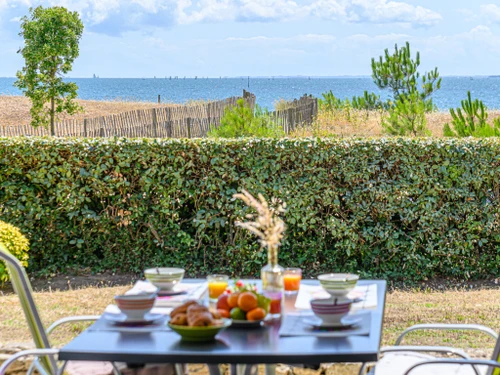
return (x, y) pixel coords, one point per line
(234, 345)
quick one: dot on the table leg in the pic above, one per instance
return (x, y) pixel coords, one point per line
(179, 369)
(252, 370)
(244, 369)
(241, 369)
(270, 369)
(214, 369)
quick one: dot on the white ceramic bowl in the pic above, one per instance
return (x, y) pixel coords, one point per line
(164, 278)
(331, 310)
(135, 306)
(338, 284)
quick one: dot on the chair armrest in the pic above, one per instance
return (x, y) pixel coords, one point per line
(72, 319)
(429, 349)
(470, 327)
(418, 349)
(472, 362)
(26, 353)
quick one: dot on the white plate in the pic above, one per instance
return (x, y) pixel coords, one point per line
(346, 321)
(148, 318)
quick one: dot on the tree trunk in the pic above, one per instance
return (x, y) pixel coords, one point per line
(52, 110)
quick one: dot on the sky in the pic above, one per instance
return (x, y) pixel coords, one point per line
(146, 38)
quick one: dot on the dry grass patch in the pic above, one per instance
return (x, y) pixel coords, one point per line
(361, 123)
(53, 306)
(16, 109)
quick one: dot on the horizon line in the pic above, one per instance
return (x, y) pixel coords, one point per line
(261, 77)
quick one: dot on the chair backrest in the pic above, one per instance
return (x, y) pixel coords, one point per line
(22, 287)
(495, 357)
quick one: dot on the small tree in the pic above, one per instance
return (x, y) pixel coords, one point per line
(51, 37)
(399, 73)
(406, 117)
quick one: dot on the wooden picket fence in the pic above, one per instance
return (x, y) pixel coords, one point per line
(190, 121)
(301, 112)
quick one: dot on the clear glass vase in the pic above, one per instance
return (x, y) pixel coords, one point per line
(272, 283)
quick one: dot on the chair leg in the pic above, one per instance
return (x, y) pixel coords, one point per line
(31, 368)
(60, 370)
(116, 370)
(26, 353)
(38, 367)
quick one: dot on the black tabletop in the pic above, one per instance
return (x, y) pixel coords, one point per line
(234, 345)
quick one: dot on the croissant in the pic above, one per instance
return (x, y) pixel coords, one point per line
(182, 309)
(179, 319)
(200, 320)
(196, 309)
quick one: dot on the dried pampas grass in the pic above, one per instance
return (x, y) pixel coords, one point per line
(266, 225)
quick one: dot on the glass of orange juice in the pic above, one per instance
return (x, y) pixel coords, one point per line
(292, 277)
(217, 284)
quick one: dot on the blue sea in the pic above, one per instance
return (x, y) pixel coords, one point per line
(267, 90)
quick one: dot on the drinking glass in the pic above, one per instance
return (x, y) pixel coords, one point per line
(292, 277)
(217, 285)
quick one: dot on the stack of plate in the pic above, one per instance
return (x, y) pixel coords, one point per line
(338, 284)
(164, 278)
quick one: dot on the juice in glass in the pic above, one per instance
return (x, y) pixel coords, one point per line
(217, 284)
(276, 301)
(292, 278)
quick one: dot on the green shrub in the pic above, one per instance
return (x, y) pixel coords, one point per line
(369, 101)
(241, 121)
(471, 121)
(330, 103)
(12, 238)
(392, 208)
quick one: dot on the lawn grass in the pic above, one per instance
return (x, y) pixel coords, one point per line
(403, 309)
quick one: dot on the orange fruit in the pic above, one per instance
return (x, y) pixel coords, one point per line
(247, 301)
(232, 300)
(222, 302)
(256, 314)
(223, 313)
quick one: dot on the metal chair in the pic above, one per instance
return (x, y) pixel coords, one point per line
(408, 360)
(45, 356)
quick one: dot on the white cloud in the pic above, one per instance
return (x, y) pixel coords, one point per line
(491, 12)
(305, 38)
(385, 38)
(117, 16)
(375, 11)
(358, 11)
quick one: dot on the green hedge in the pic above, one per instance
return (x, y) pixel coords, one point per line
(394, 208)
